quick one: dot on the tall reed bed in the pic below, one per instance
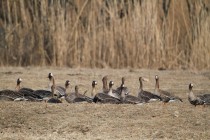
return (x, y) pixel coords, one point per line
(105, 33)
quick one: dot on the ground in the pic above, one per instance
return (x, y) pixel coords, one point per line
(33, 120)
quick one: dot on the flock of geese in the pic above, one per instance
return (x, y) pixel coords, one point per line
(108, 95)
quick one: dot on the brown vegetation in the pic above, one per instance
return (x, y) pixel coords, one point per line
(105, 33)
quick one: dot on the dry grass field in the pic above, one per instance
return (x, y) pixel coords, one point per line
(31, 120)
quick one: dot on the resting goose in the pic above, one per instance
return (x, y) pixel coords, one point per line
(165, 95)
(122, 87)
(27, 92)
(59, 91)
(18, 87)
(146, 95)
(93, 92)
(11, 95)
(77, 97)
(53, 99)
(129, 99)
(199, 99)
(102, 97)
(112, 92)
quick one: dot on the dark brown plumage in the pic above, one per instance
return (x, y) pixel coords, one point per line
(165, 95)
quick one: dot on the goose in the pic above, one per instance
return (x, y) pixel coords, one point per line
(199, 99)
(59, 91)
(11, 95)
(27, 92)
(77, 97)
(46, 94)
(146, 95)
(112, 92)
(130, 99)
(122, 87)
(18, 87)
(102, 97)
(54, 98)
(93, 92)
(165, 95)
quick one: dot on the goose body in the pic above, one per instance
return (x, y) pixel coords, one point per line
(165, 95)
(194, 100)
(197, 100)
(77, 97)
(10, 95)
(130, 99)
(122, 87)
(103, 97)
(27, 92)
(147, 96)
(59, 91)
(112, 92)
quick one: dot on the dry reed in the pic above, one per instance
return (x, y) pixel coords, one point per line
(105, 33)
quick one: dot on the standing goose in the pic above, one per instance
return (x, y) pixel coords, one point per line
(102, 97)
(148, 96)
(199, 99)
(165, 95)
(129, 99)
(77, 97)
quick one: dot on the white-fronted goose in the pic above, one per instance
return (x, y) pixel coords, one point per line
(130, 99)
(122, 87)
(113, 93)
(103, 97)
(93, 92)
(77, 97)
(53, 99)
(27, 92)
(146, 95)
(165, 95)
(199, 99)
(59, 91)
(11, 95)
(18, 87)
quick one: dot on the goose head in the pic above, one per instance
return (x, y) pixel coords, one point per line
(19, 80)
(94, 83)
(50, 76)
(67, 83)
(111, 83)
(156, 77)
(190, 86)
